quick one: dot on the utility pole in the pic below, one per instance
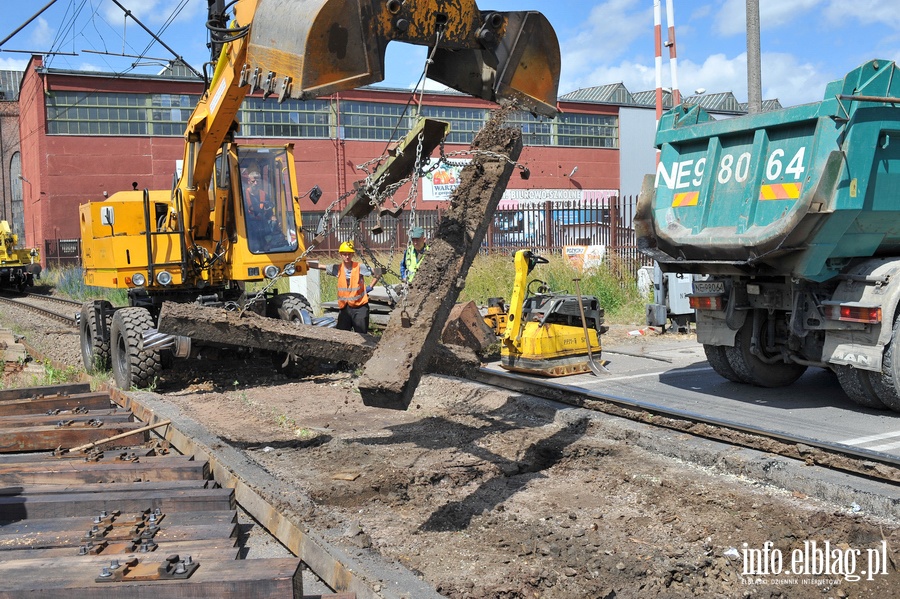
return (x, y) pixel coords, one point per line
(754, 71)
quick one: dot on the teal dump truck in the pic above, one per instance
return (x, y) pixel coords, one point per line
(793, 218)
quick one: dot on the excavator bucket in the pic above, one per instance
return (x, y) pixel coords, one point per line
(308, 48)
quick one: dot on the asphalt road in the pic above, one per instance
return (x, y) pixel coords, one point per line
(676, 375)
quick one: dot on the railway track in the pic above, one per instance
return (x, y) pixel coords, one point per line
(291, 533)
(93, 503)
(873, 464)
(46, 305)
(833, 455)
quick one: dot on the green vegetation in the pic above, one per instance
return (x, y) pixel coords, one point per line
(490, 276)
(69, 282)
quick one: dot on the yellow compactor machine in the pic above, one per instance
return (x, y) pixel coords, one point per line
(546, 332)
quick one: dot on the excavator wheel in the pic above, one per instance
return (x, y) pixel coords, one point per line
(290, 307)
(94, 352)
(132, 365)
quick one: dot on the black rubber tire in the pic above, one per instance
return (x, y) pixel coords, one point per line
(886, 385)
(288, 307)
(718, 359)
(133, 367)
(95, 354)
(857, 385)
(751, 370)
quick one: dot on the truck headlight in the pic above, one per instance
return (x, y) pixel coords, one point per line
(138, 279)
(290, 269)
(164, 278)
(271, 271)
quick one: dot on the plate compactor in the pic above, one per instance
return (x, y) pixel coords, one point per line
(550, 333)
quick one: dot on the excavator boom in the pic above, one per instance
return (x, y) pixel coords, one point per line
(340, 45)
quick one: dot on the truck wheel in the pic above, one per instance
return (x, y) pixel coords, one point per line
(718, 359)
(750, 369)
(288, 306)
(132, 365)
(857, 385)
(94, 353)
(887, 385)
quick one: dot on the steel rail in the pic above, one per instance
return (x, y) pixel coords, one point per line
(65, 318)
(53, 298)
(578, 396)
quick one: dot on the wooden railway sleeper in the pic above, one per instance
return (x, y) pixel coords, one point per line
(172, 568)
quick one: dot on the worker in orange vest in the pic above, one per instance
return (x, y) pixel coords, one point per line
(353, 293)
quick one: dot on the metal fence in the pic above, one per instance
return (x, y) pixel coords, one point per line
(546, 227)
(59, 253)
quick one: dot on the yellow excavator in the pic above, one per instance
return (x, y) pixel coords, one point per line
(200, 241)
(549, 333)
(19, 267)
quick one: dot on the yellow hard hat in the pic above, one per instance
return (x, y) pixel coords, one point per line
(347, 248)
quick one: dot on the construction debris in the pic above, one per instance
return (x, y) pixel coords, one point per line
(391, 375)
(251, 330)
(466, 327)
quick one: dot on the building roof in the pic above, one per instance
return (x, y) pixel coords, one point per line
(648, 98)
(767, 105)
(612, 93)
(720, 102)
(177, 68)
(9, 85)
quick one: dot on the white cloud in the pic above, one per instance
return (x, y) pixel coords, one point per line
(866, 12)
(41, 36)
(731, 18)
(154, 12)
(13, 64)
(785, 77)
(606, 34)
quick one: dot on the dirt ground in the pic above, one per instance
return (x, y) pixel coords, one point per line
(489, 494)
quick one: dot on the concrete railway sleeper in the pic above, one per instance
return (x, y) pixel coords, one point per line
(132, 520)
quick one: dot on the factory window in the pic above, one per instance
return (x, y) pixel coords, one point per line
(166, 115)
(536, 131)
(464, 122)
(292, 118)
(587, 130)
(374, 121)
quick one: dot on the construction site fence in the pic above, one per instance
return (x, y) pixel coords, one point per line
(546, 227)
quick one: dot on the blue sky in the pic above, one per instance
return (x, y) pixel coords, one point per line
(805, 43)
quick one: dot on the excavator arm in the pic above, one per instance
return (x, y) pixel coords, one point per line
(308, 48)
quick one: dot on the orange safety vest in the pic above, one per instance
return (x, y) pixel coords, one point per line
(351, 294)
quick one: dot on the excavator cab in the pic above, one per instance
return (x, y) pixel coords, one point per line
(266, 192)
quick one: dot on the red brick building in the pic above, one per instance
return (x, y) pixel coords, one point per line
(84, 134)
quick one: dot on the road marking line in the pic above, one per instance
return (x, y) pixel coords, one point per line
(646, 374)
(885, 447)
(879, 437)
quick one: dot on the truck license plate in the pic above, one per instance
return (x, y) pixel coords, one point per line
(709, 287)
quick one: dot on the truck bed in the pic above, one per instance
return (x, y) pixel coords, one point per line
(801, 191)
